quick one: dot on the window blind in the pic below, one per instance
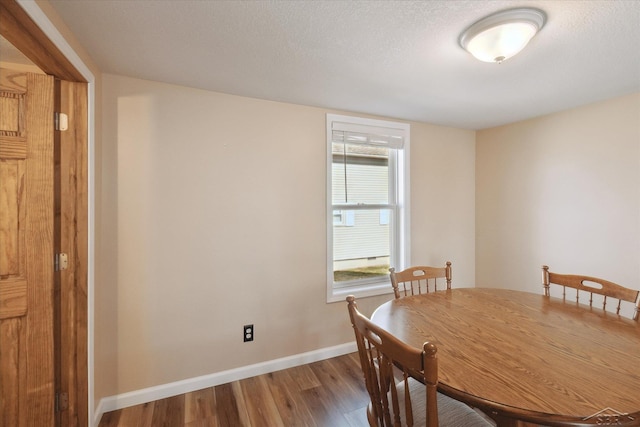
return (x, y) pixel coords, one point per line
(351, 133)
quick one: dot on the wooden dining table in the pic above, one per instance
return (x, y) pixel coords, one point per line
(520, 356)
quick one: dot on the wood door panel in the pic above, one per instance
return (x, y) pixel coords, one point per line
(26, 249)
(39, 252)
(13, 148)
(11, 175)
(13, 152)
(12, 104)
(12, 119)
(13, 298)
(11, 330)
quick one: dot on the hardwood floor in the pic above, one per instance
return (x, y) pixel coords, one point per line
(328, 393)
(325, 393)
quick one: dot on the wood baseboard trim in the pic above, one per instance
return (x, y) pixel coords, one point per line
(137, 397)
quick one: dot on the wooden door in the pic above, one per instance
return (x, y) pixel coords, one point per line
(27, 382)
(70, 225)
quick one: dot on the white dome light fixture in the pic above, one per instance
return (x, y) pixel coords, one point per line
(503, 34)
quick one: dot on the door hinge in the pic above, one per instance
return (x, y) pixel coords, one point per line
(62, 401)
(61, 121)
(61, 262)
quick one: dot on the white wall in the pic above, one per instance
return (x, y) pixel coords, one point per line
(214, 206)
(561, 190)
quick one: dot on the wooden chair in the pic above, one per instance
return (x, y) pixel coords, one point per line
(419, 280)
(591, 285)
(408, 402)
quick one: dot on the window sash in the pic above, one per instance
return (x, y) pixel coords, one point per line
(380, 238)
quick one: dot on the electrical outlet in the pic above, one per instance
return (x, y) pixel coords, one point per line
(247, 333)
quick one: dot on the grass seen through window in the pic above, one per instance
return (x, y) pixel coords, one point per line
(360, 273)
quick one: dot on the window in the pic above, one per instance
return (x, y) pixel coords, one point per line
(367, 204)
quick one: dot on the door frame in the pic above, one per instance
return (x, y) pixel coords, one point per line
(29, 29)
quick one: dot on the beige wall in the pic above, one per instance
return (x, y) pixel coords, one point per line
(215, 206)
(193, 186)
(562, 190)
(443, 199)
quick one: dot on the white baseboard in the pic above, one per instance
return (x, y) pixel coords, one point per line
(163, 391)
(97, 414)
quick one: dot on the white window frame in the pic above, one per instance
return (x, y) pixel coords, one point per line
(398, 177)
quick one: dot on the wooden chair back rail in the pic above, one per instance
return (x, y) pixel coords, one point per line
(592, 285)
(419, 279)
(379, 353)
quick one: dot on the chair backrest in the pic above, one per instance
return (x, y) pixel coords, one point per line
(591, 285)
(379, 352)
(420, 280)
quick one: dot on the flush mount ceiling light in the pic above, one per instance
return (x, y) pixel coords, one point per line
(503, 34)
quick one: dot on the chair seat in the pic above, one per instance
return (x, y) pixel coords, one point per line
(451, 413)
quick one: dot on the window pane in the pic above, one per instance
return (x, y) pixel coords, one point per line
(362, 250)
(360, 174)
(344, 218)
(384, 216)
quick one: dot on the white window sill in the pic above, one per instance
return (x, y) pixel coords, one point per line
(365, 290)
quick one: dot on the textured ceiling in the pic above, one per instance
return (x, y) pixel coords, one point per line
(397, 59)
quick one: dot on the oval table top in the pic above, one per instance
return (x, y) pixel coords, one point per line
(525, 356)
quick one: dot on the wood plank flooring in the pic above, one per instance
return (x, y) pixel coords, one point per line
(328, 393)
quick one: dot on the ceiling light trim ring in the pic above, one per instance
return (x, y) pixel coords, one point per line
(535, 17)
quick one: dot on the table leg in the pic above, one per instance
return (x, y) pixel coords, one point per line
(502, 421)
